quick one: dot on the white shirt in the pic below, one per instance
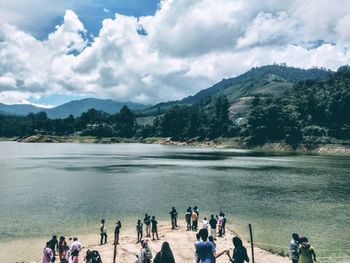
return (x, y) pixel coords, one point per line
(205, 224)
(76, 246)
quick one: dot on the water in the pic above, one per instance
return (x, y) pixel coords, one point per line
(67, 188)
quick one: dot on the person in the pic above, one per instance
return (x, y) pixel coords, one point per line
(188, 218)
(103, 232)
(196, 247)
(145, 255)
(212, 223)
(173, 216)
(48, 255)
(154, 228)
(211, 239)
(62, 248)
(147, 222)
(205, 223)
(139, 230)
(306, 251)
(223, 224)
(93, 256)
(74, 250)
(194, 217)
(53, 243)
(118, 226)
(294, 245)
(165, 255)
(239, 252)
(206, 249)
(219, 223)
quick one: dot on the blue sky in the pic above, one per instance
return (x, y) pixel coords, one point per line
(55, 51)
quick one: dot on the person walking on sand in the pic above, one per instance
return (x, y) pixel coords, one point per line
(198, 240)
(188, 218)
(147, 222)
(294, 245)
(212, 223)
(103, 232)
(173, 215)
(154, 228)
(165, 255)
(53, 243)
(62, 248)
(117, 228)
(75, 249)
(239, 252)
(139, 230)
(306, 251)
(48, 255)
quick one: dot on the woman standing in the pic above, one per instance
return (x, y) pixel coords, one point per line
(165, 255)
(306, 251)
(62, 248)
(239, 252)
(47, 254)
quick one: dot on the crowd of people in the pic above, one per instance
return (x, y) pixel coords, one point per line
(301, 251)
(205, 246)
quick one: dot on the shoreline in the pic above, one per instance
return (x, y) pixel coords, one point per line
(220, 143)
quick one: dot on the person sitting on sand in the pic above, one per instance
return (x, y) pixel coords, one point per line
(62, 248)
(48, 255)
(93, 256)
(306, 251)
(154, 228)
(188, 218)
(147, 222)
(139, 230)
(103, 232)
(165, 255)
(206, 249)
(212, 223)
(118, 226)
(294, 245)
(239, 252)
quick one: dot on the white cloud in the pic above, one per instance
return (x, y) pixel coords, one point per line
(186, 46)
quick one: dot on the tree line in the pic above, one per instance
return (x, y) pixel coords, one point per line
(313, 111)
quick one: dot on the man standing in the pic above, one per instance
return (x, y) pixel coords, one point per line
(294, 244)
(118, 226)
(154, 228)
(212, 223)
(103, 232)
(173, 215)
(147, 222)
(194, 220)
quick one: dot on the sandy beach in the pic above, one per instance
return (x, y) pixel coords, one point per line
(181, 243)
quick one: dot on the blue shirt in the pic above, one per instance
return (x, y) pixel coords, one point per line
(206, 251)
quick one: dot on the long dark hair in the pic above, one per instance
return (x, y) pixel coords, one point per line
(237, 242)
(166, 253)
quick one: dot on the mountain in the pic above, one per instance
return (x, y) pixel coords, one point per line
(75, 108)
(270, 79)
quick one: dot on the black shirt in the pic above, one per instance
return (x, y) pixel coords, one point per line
(213, 223)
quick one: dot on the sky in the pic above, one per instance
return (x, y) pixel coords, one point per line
(147, 51)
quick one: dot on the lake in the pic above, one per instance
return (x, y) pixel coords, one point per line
(66, 189)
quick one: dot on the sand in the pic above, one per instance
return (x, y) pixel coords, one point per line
(181, 243)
